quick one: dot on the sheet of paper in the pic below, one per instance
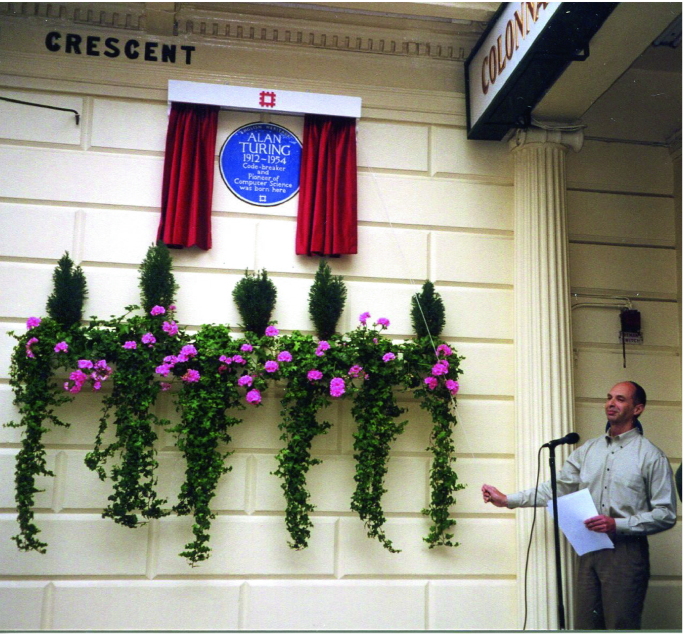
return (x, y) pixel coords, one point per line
(574, 509)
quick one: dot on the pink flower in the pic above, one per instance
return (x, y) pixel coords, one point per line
(444, 349)
(337, 387)
(163, 369)
(29, 343)
(188, 351)
(165, 386)
(130, 345)
(431, 382)
(224, 359)
(314, 375)
(253, 396)
(452, 386)
(157, 310)
(375, 340)
(322, 347)
(439, 369)
(245, 380)
(149, 339)
(102, 365)
(285, 357)
(444, 362)
(170, 328)
(388, 356)
(191, 376)
(363, 317)
(246, 347)
(355, 370)
(85, 364)
(238, 359)
(97, 385)
(32, 322)
(182, 358)
(271, 367)
(383, 322)
(62, 346)
(171, 360)
(172, 308)
(271, 331)
(78, 377)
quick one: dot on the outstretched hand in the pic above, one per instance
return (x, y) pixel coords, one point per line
(493, 495)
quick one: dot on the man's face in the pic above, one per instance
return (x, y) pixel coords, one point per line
(620, 407)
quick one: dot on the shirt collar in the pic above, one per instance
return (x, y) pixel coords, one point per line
(623, 438)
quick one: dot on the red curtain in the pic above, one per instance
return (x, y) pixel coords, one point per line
(327, 210)
(188, 176)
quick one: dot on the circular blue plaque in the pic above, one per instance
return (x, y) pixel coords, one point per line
(260, 164)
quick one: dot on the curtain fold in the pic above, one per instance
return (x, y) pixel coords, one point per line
(188, 176)
(327, 209)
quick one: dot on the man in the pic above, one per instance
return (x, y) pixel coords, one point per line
(631, 483)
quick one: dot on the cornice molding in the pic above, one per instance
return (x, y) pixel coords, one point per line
(264, 25)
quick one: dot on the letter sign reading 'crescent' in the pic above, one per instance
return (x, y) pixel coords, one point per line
(260, 164)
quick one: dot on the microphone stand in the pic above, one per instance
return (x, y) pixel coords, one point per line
(557, 545)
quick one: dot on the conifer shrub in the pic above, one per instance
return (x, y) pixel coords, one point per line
(326, 301)
(427, 312)
(157, 284)
(255, 297)
(65, 304)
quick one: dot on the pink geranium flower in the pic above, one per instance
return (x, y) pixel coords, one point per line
(253, 396)
(314, 375)
(363, 317)
(163, 369)
(29, 343)
(157, 310)
(245, 380)
(271, 331)
(388, 356)
(62, 346)
(191, 376)
(32, 322)
(165, 386)
(224, 359)
(322, 347)
(238, 359)
(355, 370)
(188, 351)
(149, 339)
(383, 322)
(130, 345)
(431, 382)
(452, 386)
(439, 369)
(285, 357)
(271, 367)
(246, 347)
(85, 364)
(337, 387)
(444, 349)
(170, 328)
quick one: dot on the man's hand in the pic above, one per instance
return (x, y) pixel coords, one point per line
(601, 524)
(491, 494)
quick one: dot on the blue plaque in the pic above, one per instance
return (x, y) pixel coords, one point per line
(260, 164)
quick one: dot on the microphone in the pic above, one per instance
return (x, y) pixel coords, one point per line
(570, 439)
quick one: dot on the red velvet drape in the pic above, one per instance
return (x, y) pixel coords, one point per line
(327, 210)
(188, 176)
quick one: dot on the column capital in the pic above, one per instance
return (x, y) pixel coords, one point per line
(526, 136)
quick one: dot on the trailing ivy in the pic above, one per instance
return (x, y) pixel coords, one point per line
(307, 367)
(208, 391)
(435, 385)
(374, 360)
(33, 365)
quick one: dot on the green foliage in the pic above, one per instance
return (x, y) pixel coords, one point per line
(326, 300)
(375, 410)
(36, 399)
(301, 403)
(129, 408)
(65, 304)
(438, 402)
(204, 426)
(427, 312)
(157, 284)
(255, 296)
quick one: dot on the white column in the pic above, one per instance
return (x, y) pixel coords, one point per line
(543, 351)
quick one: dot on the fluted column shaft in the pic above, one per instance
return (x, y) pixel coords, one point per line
(543, 350)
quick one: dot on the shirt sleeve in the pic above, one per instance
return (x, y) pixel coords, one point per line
(662, 503)
(568, 480)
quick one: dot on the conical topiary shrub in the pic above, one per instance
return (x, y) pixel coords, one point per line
(326, 300)
(255, 296)
(427, 312)
(65, 304)
(157, 284)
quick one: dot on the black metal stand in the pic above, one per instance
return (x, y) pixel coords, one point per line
(557, 544)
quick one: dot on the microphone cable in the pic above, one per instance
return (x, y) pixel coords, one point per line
(530, 541)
